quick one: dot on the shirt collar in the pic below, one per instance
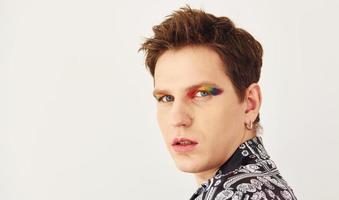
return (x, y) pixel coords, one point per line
(249, 152)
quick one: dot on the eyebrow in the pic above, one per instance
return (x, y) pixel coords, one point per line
(203, 83)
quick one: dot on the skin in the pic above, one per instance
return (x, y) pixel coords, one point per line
(216, 122)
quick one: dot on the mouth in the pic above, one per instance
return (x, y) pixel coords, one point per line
(182, 145)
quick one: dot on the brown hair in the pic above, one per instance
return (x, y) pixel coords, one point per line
(240, 52)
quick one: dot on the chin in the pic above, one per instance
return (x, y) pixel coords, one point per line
(187, 166)
(187, 169)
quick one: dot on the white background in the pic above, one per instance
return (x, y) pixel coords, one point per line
(77, 116)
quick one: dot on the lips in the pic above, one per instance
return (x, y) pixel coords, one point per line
(183, 145)
(183, 141)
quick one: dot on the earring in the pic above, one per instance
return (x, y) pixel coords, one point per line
(249, 126)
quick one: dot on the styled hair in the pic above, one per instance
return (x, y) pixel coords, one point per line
(240, 52)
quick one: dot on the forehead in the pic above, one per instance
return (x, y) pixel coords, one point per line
(187, 67)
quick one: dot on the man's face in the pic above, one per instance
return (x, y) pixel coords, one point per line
(211, 115)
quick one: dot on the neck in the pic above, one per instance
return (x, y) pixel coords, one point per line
(205, 175)
(202, 177)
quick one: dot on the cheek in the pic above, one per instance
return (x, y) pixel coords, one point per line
(162, 121)
(222, 120)
(161, 114)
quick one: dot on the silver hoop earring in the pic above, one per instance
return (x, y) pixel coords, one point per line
(249, 126)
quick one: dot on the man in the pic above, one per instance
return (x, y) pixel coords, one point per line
(206, 74)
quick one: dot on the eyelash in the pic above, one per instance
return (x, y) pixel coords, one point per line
(160, 98)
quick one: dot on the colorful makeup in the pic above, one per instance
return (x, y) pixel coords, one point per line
(211, 89)
(158, 96)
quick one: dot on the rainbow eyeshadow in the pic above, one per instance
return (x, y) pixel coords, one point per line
(208, 88)
(158, 96)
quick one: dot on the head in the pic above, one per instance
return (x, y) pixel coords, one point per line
(206, 74)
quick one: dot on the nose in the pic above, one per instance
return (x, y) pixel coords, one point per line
(179, 115)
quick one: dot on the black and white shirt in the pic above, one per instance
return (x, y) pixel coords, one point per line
(248, 174)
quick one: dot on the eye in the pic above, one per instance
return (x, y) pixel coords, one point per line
(166, 97)
(203, 93)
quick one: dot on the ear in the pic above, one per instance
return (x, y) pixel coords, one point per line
(252, 100)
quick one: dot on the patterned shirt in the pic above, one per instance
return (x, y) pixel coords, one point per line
(248, 174)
